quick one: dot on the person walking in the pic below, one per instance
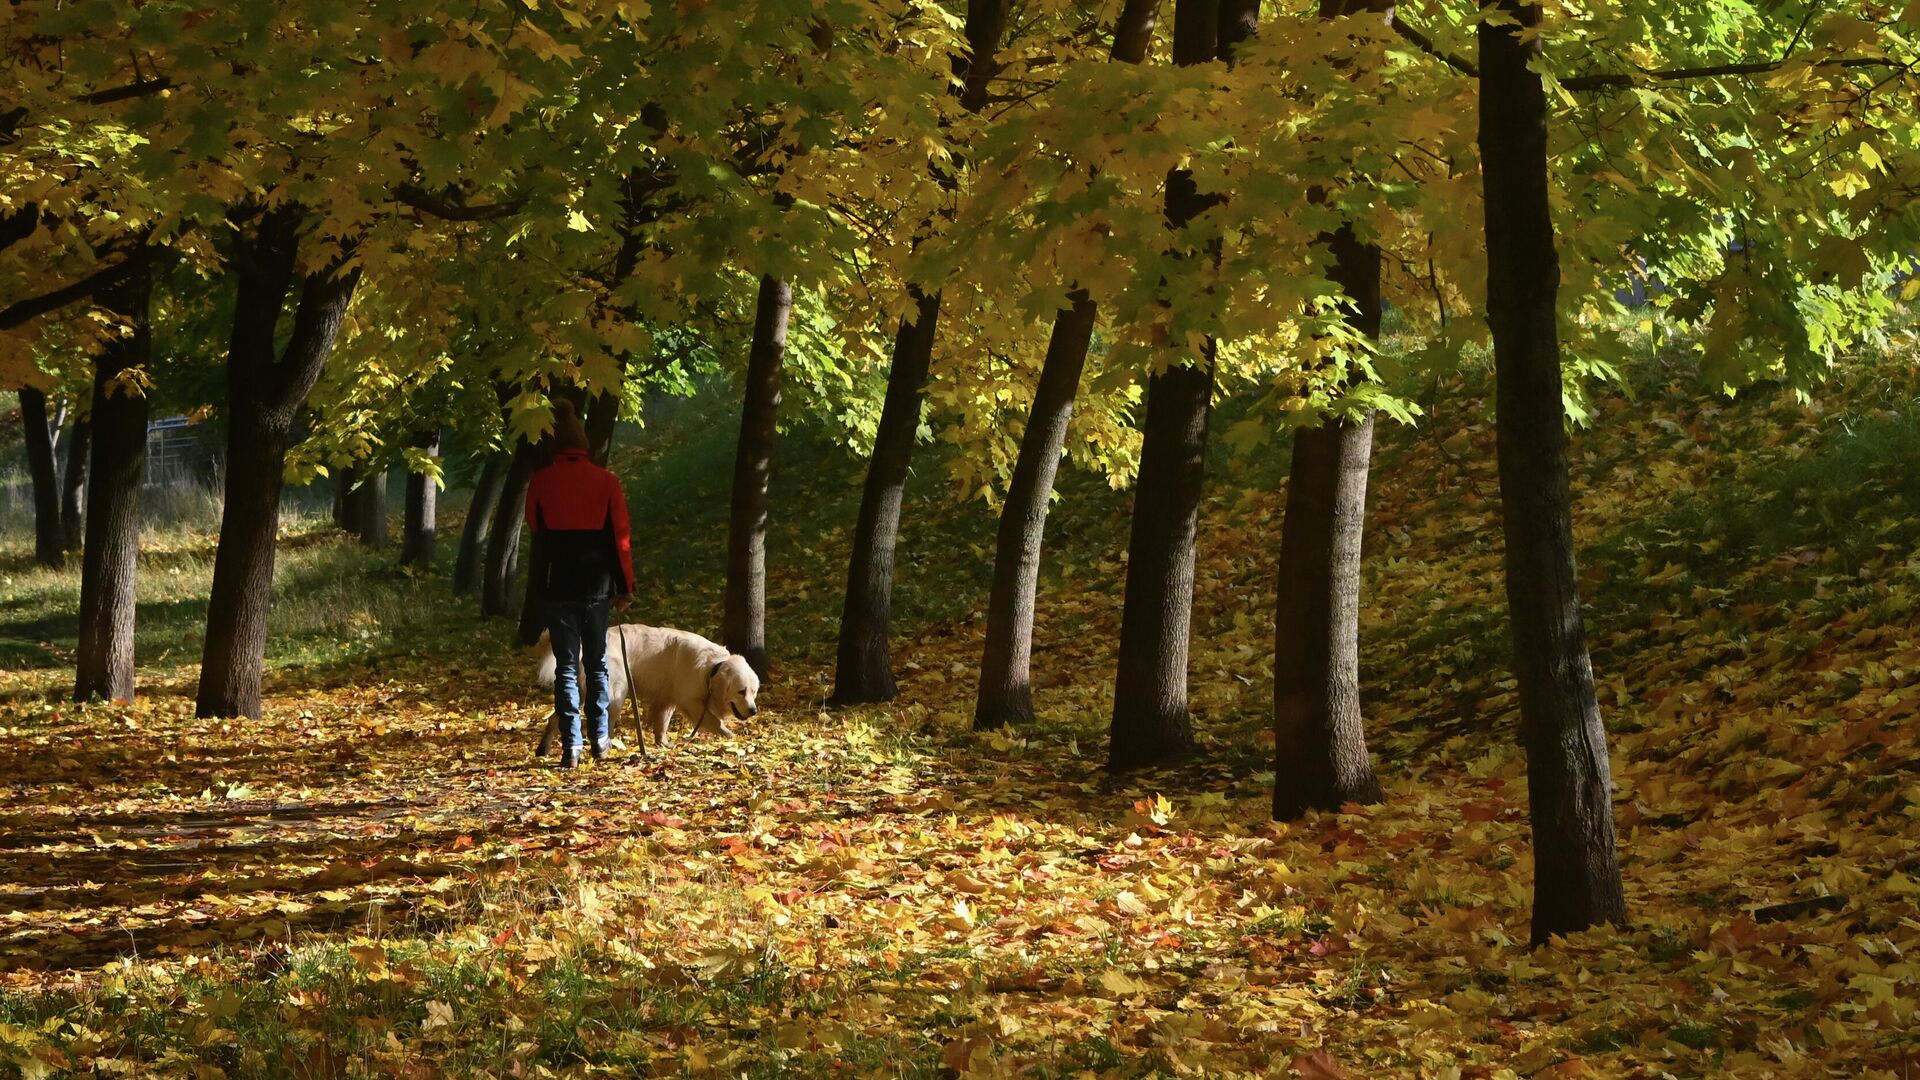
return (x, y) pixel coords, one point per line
(582, 563)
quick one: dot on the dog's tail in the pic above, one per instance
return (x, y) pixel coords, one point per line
(543, 675)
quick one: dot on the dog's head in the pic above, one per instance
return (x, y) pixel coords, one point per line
(732, 693)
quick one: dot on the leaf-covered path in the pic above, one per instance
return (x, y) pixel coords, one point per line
(378, 880)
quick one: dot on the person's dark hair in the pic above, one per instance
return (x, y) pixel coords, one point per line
(568, 432)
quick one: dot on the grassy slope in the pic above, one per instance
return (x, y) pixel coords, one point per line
(372, 881)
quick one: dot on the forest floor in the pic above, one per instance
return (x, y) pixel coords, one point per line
(377, 879)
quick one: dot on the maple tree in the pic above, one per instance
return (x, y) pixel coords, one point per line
(1038, 234)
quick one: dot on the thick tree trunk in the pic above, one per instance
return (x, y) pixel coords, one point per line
(744, 622)
(416, 545)
(1150, 722)
(473, 533)
(502, 570)
(263, 396)
(865, 669)
(1006, 695)
(45, 477)
(1576, 871)
(1320, 747)
(118, 466)
(73, 487)
(370, 508)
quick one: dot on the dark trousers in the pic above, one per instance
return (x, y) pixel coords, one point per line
(578, 630)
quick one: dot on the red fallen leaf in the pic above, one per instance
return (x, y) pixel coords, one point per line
(1479, 812)
(1319, 1065)
(461, 842)
(958, 1055)
(502, 937)
(1320, 947)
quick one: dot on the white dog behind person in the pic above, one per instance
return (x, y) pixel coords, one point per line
(583, 562)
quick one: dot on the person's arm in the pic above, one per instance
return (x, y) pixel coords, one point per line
(622, 537)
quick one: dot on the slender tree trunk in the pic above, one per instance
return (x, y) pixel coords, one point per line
(345, 496)
(1576, 871)
(73, 489)
(45, 477)
(1150, 722)
(1320, 747)
(473, 533)
(865, 669)
(503, 536)
(744, 623)
(104, 661)
(370, 508)
(416, 546)
(533, 599)
(263, 396)
(1006, 695)
(603, 412)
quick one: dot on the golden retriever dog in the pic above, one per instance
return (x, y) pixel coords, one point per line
(672, 671)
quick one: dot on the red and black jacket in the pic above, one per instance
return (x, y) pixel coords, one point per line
(579, 517)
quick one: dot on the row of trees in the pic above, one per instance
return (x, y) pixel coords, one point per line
(1030, 224)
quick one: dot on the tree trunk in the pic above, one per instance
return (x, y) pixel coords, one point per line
(473, 533)
(263, 396)
(865, 669)
(103, 664)
(1576, 872)
(45, 477)
(370, 508)
(1150, 722)
(603, 412)
(416, 546)
(1005, 695)
(1320, 746)
(73, 489)
(503, 536)
(744, 623)
(345, 496)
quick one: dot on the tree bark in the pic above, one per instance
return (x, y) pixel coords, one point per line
(865, 669)
(603, 412)
(103, 664)
(263, 396)
(1576, 872)
(1005, 694)
(473, 533)
(45, 477)
(370, 508)
(744, 622)
(73, 489)
(345, 509)
(417, 544)
(1320, 747)
(503, 536)
(1150, 722)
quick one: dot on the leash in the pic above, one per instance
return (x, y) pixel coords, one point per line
(626, 665)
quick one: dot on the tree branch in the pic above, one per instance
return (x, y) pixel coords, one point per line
(18, 225)
(23, 311)
(1613, 80)
(451, 210)
(136, 89)
(1425, 44)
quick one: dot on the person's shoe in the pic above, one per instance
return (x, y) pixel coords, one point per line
(570, 758)
(600, 750)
